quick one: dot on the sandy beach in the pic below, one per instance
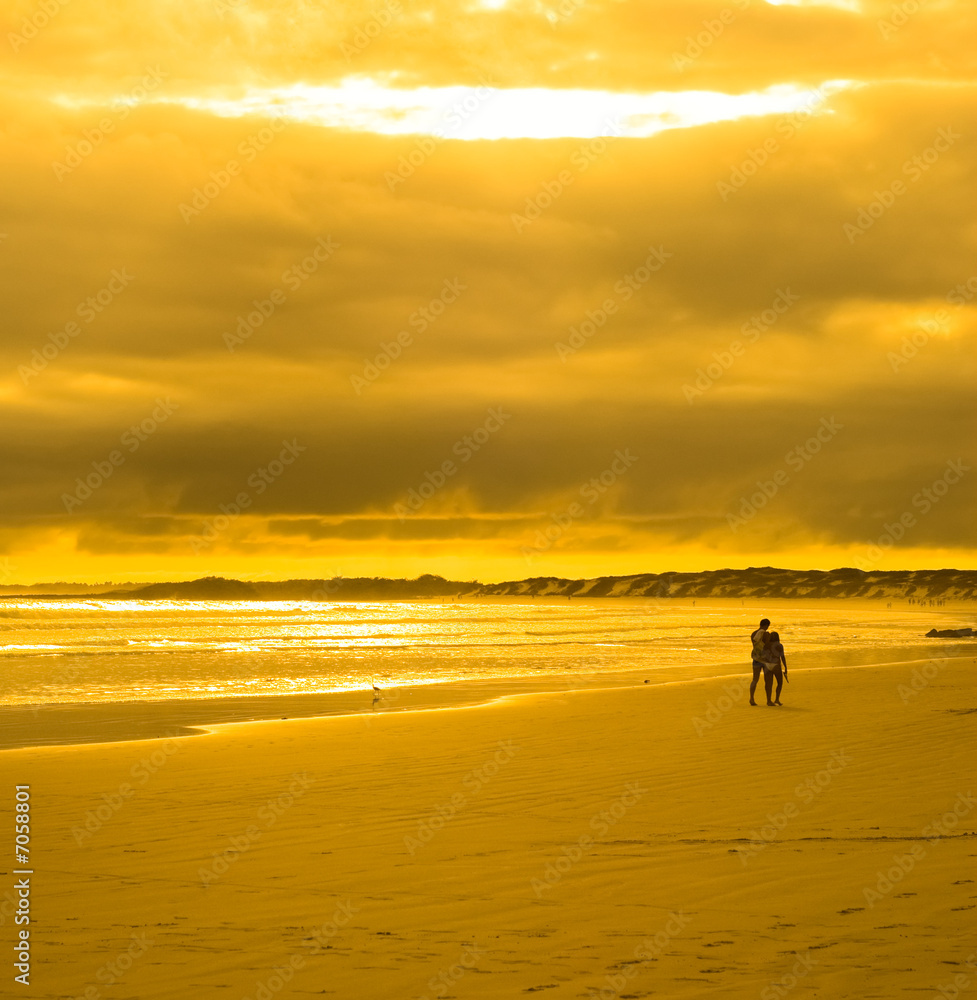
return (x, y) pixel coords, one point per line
(660, 840)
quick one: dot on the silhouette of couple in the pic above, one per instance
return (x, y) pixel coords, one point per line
(768, 656)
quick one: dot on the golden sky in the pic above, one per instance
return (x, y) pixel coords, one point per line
(490, 289)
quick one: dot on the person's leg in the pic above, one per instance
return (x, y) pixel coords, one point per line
(768, 684)
(756, 677)
(779, 674)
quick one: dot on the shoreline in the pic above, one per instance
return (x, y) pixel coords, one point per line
(27, 727)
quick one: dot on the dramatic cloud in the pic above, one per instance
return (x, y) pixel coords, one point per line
(265, 313)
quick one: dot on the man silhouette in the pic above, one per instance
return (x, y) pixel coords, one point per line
(757, 638)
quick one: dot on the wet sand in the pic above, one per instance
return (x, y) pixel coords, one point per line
(652, 840)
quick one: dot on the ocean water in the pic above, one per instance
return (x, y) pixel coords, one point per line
(70, 651)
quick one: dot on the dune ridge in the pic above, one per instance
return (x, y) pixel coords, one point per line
(756, 582)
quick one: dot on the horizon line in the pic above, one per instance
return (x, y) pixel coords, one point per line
(438, 576)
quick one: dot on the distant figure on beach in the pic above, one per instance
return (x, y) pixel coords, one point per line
(773, 657)
(757, 638)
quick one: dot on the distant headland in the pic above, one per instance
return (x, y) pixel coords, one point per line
(764, 582)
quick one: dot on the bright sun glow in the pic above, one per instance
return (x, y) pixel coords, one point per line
(854, 6)
(363, 105)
